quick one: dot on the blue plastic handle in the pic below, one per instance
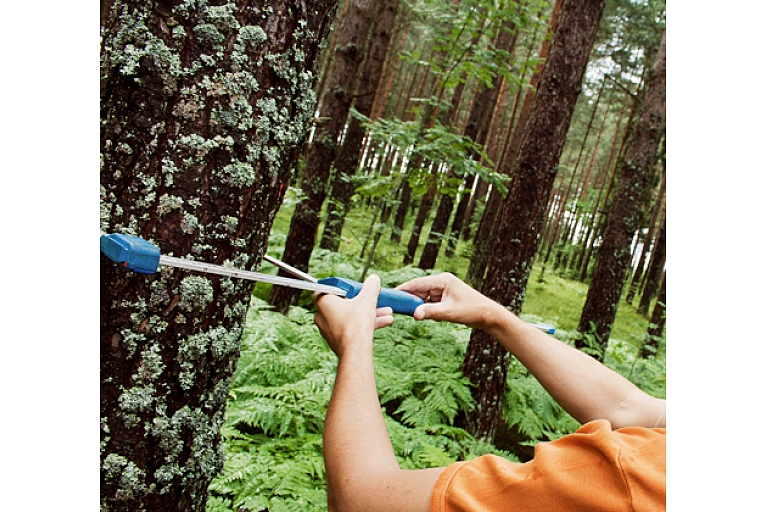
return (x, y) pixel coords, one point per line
(400, 302)
(135, 253)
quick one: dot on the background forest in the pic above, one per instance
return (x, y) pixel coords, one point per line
(519, 145)
(407, 188)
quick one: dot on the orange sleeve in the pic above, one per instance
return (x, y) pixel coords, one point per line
(594, 469)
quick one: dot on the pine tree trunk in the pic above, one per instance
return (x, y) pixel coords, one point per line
(403, 204)
(604, 293)
(481, 190)
(478, 124)
(437, 232)
(349, 155)
(640, 270)
(570, 225)
(656, 325)
(185, 166)
(425, 207)
(484, 240)
(603, 210)
(476, 270)
(321, 153)
(655, 270)
(602, 187)
(523, 210)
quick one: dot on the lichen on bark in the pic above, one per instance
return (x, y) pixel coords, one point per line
(203, 107)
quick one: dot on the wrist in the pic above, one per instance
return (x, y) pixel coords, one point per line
(355, 347)
(493, 318)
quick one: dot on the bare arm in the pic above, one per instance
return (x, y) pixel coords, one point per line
(361, 467)
(584, 387)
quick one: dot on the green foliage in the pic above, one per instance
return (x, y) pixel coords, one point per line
(530, 410)
(281, 390)
(436, 144)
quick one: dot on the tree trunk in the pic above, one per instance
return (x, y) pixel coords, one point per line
(602, 188)
(478, 124)
(604, 293)
(602, 211)
(476, 270)
(640, 271)
(655, 270)
(570, 225)
(185, 165)
(656, 325)
(403, 205)
(300, 241)
(437, 232)
(425, 207)
(481, 190)
(349, 156)
(523, 210)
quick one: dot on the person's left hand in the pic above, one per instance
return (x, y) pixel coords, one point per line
(349, 323)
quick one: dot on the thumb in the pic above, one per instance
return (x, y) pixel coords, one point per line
(426, 311)
(371, 289)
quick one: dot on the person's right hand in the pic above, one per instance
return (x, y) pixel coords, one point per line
(448, 298)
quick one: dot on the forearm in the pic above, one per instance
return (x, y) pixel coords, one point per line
(584, 387)
(361, 468)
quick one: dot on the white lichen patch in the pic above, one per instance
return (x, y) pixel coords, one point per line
(239, 174)
(189, 223)
(196, 292)
(168, 203)
(130, 479)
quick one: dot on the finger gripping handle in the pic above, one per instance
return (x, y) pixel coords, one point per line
(401, 302)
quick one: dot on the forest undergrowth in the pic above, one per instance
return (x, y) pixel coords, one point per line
(283, 382)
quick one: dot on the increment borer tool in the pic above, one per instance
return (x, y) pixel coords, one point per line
(143, 257)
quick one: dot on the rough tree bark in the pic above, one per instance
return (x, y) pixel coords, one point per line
(524, 209)
(300, 241)
(604, 293)
(203, 109)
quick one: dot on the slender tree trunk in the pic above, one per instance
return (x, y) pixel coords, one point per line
(604, 293)
(484, 240)
(185, 166)
(599, 220)
(571, 221)
(393, 68)
(326, 57)
(656, 325)
(523, 211)
(403, 205)
(459, 217)
(602, 188)
(649, 236)
(481, 190)
(478, 124)
(349, 155)
(321, 153)
(585, 187)
(425, 207)
(480, 256)
(437, 231)
(655, 270)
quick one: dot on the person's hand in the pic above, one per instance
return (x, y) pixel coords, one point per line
(448, 298)
(349, 323)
